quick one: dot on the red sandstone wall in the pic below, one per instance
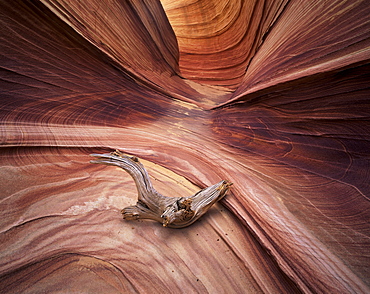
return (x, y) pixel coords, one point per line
(271, 95)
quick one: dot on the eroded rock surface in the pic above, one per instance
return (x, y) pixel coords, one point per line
(271, 95)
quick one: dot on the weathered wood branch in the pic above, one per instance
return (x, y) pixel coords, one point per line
(174, 212)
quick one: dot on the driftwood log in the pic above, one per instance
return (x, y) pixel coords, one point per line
(173, 212)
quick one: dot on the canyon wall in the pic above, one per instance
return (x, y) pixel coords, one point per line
(270, 95)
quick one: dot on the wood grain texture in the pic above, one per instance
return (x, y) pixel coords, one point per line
(270, 95)
(172, 212)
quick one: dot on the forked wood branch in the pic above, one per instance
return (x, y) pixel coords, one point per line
(174, 212)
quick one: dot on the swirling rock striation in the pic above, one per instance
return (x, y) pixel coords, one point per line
(271, 95)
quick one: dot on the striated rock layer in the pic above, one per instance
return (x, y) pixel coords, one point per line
(270, 95)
